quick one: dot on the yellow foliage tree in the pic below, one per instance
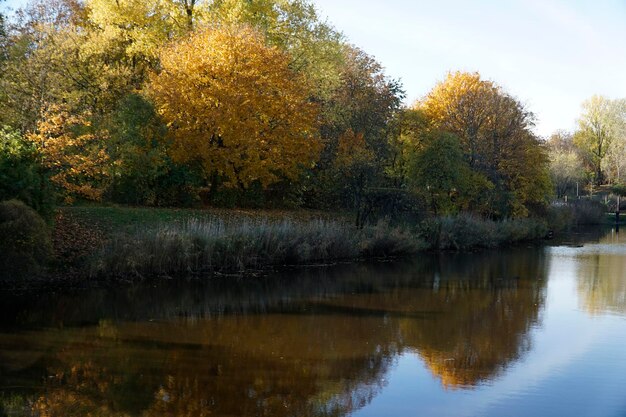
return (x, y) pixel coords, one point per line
(463, 105)
(233, 105)
(495, 134)
(75, 157)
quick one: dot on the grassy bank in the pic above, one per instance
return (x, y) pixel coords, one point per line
(128, 242)
(202, 246)
(235, 244)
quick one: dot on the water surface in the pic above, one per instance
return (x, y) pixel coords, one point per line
(537, 331)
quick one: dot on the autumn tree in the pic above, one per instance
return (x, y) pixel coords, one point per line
(74, 156)
(141, 27)
(496, 138)
(365, 102)
(232, 104)
(314, 47)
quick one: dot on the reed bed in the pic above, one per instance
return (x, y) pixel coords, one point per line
(204, 246)
(465, 231)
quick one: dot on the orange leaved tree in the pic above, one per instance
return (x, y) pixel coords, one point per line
(233, 105)
(72, 153)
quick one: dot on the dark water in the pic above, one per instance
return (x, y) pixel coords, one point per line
(523, 332)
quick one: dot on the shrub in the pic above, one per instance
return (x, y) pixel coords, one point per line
(24, 240)
(589, 212)
(385, 241)
(21, 177)
(577, 213)
(467, 231)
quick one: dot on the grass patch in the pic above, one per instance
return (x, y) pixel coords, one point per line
(113, 220)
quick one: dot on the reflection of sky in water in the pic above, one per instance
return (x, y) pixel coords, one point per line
(576, 367)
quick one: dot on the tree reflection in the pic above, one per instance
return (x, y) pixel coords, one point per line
(316, 345)
(601, 272)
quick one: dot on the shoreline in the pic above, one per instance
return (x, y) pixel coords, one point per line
(98, 246)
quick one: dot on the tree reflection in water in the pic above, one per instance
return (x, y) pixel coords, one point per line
(601, 275)
(313, 343)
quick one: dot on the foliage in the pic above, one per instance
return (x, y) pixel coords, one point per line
(232, 104)
(597, 128)
(21, 176)
(44, 64)
(615, 158)
(314, 48)
(440, 171)
(75, 156)
(356, 168)
(566, 170)
(24, 240)
(566, 165)
(365, 103)
(495, 136)
(141, 172)
(257, 103)
(357, 118)
(619, 189)
(3, 34)
(142, 27)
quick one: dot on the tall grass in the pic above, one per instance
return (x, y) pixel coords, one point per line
(466, 231)
(577, 213)
(200, 246)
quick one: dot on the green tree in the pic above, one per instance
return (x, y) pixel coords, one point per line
(21, 176)
(142, 172)
(439, 171)
(3, 32)
(597, 128)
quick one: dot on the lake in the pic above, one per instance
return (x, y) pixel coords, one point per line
(530, 331)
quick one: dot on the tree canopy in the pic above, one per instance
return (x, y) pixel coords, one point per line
(494, 130)
(232, 103)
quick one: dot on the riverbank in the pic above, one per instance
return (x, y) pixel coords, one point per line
(137, 243)
(98, 243)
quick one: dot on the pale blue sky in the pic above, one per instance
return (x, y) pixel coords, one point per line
(551, 54)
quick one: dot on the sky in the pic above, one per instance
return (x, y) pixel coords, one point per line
(550, 54)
